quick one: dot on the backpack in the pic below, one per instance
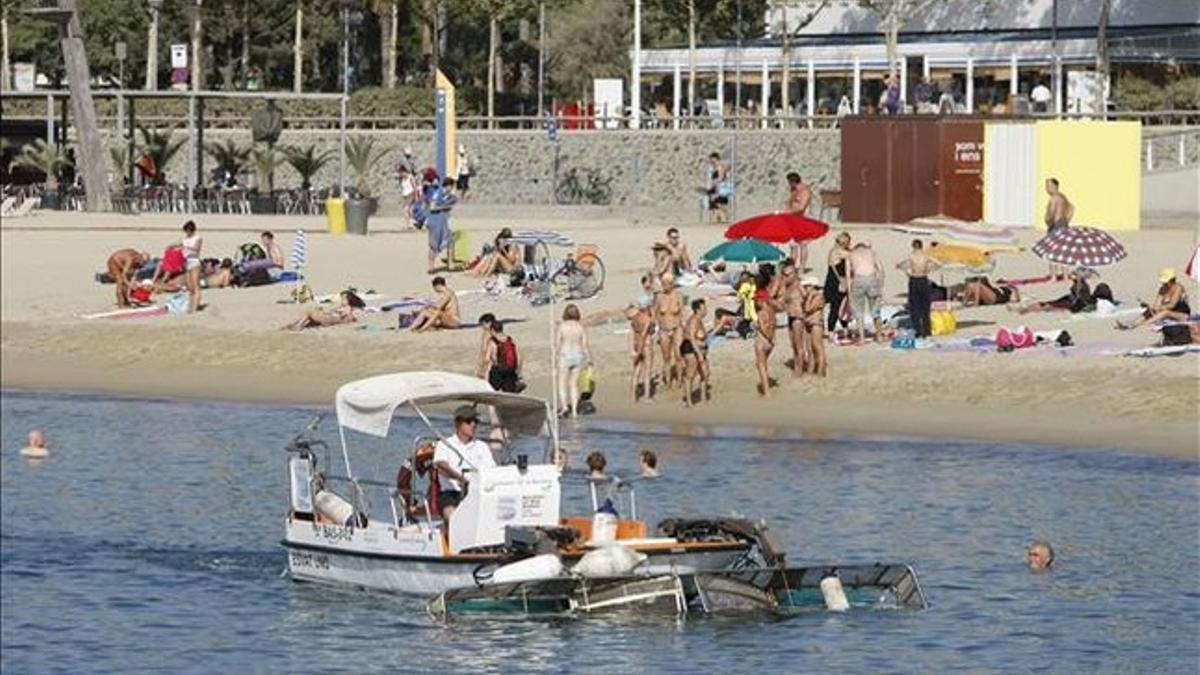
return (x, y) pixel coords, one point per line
(506, 354)
(251, 251)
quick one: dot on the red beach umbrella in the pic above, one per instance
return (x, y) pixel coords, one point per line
(778, 228)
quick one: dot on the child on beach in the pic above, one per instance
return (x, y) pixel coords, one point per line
(573, 354)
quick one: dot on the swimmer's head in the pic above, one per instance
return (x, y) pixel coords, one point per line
(1040, 555)
(37, 439)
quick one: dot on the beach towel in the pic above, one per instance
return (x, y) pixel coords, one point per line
(1176, 350)
(129, 313)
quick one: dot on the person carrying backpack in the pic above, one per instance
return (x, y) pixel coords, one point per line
(505, 373)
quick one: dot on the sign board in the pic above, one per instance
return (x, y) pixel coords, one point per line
(609, 95)
(179, 56)
(122, 51)
(24, 76)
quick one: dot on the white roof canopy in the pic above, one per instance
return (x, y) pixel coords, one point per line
(368, 405)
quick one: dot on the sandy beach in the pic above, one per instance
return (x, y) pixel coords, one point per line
(1088, 395)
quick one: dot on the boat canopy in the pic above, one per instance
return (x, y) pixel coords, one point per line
(368, 405)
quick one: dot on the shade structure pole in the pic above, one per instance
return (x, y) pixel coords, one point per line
(857, 84)
(766, 93)
(191, 143)
(678, 83)
(1014, 82)
(635, 77)
(721, 90)
(811, 92)
(970, 84)
(903, 80)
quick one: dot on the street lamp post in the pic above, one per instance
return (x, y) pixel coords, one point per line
(345, 94)
(541, 56)
(737, 85)
(152, 46)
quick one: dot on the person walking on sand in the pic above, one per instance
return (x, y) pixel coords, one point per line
(668, 317)
(1059, 212)
(837, 283)
(693, 352)
(917, 266)
(572, 352)
(865, 277)
(718, 186)
(192, 244)
(443, 313)
(793, 297)
(123, 266)
(798, 201)
(441, 201)
(465, 171)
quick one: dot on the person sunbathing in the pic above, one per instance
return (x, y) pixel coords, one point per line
(220, 277)
(502, 258)
(1079, 299)
(443, 313)
(979, 291)
(347, 312)
(1170, 305)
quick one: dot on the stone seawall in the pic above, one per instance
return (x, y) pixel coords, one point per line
(646, 170)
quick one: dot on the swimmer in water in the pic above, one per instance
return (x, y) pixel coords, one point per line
(37, 446)
(1040, 556)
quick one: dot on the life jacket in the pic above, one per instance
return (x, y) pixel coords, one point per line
(506, 354)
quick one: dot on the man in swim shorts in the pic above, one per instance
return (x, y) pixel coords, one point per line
(123, 264)
(668, 316)
(1059, 212)
(864, 273)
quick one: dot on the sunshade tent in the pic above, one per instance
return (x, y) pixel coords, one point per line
(1079, 247)
(743, 251)
(778, 228)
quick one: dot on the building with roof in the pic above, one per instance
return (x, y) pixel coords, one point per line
(982, 54)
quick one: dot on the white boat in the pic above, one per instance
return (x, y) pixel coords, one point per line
(342, 528)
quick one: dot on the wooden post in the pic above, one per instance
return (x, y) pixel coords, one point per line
(90, 152)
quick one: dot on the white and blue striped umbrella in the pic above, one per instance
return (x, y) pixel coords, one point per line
(299, 250)
(531, 237)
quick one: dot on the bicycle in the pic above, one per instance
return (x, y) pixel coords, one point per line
(591, 189)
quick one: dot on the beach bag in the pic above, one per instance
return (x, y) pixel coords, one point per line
(140, 294)
(1176, 334)
(251, 251)
(1007, 340)
(943, 322)
(506, 353)
(587, 382)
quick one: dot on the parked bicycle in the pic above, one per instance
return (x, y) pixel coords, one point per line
(585, 186)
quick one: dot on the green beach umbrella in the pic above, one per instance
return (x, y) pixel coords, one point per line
(743, 251)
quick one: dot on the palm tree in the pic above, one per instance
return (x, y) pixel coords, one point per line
(229, 156)
(159, 147)
(44, 158)
(362, 157)
(307, 162)
(389, 25)
(266, 160)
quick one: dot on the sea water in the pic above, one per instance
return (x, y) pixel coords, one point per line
(149, 541)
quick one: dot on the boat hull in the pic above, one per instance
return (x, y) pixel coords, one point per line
(410, 560)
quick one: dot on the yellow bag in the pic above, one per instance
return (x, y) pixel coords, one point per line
(943, 322)
(587, 381)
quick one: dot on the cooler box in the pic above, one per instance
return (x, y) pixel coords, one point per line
(335, 215)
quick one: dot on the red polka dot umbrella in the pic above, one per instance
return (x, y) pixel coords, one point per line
(778, 228)
(1079, 247)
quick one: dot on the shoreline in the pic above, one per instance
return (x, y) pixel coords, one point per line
(829, 421)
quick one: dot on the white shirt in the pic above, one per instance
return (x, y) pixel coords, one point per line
(473, 455)
(1040, 94)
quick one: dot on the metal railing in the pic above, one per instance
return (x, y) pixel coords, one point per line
(1179, 147)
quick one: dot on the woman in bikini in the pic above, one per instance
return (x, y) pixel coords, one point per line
(573, 354)
(980, 292)
(793, 303)
(694, 353)
(764, 338)
(814, 326)
(1171, 304)
(503, 258)
(346, 312)
(641, 337)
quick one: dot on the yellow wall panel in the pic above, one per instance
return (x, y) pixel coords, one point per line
(1098, 167)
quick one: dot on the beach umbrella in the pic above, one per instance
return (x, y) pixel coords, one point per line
(778, 227)
(299, 251)
(533, 237)
(743, 251)
(959, 254)
(1079, 247)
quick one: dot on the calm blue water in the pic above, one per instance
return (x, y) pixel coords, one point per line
(149, 541)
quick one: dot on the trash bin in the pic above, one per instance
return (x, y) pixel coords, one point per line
(358, 211)
(335, 215)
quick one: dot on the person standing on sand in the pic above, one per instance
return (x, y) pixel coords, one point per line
(571, 350)
(917, 266)
(123, 266)
(668, 317)
(718, 186)
(693, 353)
(641, 337)
(192, 244)
(793, 303)
(864, 273)
(441, 200)
(1059, 212)
(465, 171)
(814, 335)
(764, 338)
(443, 313)
(798, 201)
(837, 284)
(482, 361)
